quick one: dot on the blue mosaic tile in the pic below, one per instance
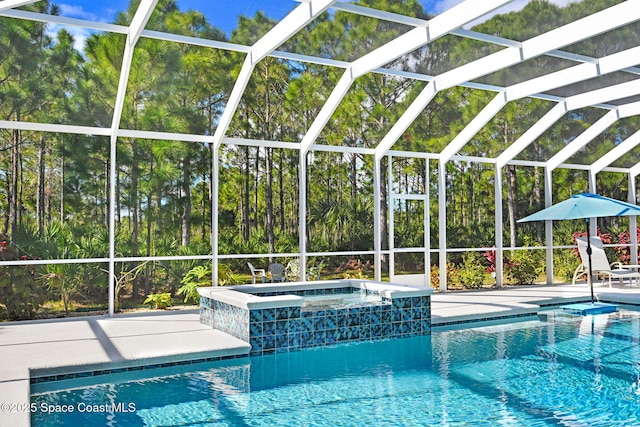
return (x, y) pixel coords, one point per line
(415, 328)
(395, 316)
(365, 316)
(425, 325)
(269, 315)
(342, 334)
(353, 318)
(341, 318)
(306, 324)
(269, 342)
(365, 332)
(385, 314)
(268, 328)
(255, 329)
(294, 340)
(282, 313)
(375, 317)
(306, 339)
(405, 315)
(376, 331)
(319, 323)
(330, 322)
(354, 333)
(331, 336)
(255, 316)
(282, 341)
(294, 325)
(282, 327)
(405, 328)
(294, 312)
(396, 329)
(319, 338)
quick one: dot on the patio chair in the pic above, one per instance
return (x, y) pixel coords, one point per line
(257, 272)
(600, 266)
(277, 272)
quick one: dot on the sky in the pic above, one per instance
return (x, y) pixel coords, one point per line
(223, 14)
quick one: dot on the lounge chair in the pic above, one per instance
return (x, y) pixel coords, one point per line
(600, 266)
(277, 272)
(257, 272)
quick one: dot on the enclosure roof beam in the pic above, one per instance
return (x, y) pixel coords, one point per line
(302, 15)
(583, 139)
(412, 40)
(622, 148)
(140, 19)
(605, 20)
(406, 119)
(481, 119)
(609, 93)
(551, 117)
(634, 170)
(599, 22)
(571, 103)
(577, 73)
(10, 4)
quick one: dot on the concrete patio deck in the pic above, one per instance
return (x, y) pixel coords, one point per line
(61, 346)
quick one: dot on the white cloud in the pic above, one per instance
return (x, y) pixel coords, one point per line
(77, 12)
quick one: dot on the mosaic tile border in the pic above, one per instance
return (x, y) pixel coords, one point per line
(34, 379)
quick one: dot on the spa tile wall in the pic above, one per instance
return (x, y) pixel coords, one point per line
(290, 328)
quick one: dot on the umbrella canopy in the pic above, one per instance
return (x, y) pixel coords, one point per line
(585, 206)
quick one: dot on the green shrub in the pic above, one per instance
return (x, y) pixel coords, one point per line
(564, 264)
(200, 276)
(159, 301)
(471, 272)
(525, 267)
(452, 276)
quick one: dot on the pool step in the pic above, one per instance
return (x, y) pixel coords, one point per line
(584, 309)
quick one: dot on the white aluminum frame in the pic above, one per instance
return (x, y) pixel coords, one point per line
(423, 32)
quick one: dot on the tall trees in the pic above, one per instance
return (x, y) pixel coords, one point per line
(163, 187)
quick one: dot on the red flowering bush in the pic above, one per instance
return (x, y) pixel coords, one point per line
(490, 256)
(624, 252)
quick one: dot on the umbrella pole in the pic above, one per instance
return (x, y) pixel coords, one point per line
(589, 278)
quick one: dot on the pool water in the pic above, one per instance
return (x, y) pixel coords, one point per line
(571, 371)
(341, 300)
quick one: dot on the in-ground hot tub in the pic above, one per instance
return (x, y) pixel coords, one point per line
(289, 316)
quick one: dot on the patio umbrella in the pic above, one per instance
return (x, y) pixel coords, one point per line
(585, 206)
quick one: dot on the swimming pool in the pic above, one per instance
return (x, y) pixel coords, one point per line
(571, 370)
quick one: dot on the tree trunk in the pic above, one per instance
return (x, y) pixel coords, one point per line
(281, 192)
(538, 202)
(186, 194)
(40, 195)
(384, 240)
(269, 200)
(246, 215)
(14, 203)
